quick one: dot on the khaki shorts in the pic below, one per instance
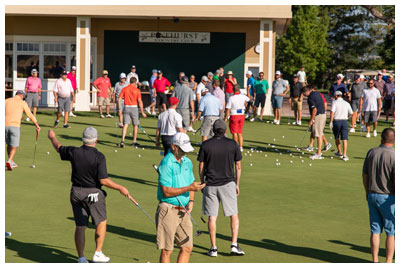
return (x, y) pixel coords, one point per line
(297, 104)
(207, 125)
(318, 126)
(103, 101)
(173, 225)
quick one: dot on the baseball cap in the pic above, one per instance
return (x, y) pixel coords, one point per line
(154, 71)
(89, 135)
(217, 71)
(182, 140)
(122, 75)
(185, 79)
(356, 77)
(159, 72)
(338, 93)
(173, 101)
(219, 124)
(73, 68)
(34, 71)
(204, 90)
(340, 76)
(362, 76)
(210, 74)
(380, 73)
(105, 72)
(20, 92)
(204, 78)
(277, 72)
(295, 76)
(133, 67)
(249, 73)
(64, 73)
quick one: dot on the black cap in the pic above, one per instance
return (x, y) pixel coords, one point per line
(185, 79)
(159, 71)
(219, 124)
(356, 77)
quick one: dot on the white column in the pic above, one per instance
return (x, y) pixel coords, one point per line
(266, 46)
(83, 63)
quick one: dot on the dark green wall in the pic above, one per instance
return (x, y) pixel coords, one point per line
(122, 50)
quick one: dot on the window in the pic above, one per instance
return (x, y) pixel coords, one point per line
(25, 64)
(9, 47)
(53, 66)
(55, 47)
(73, 48)
(25, 47)
(8, 67)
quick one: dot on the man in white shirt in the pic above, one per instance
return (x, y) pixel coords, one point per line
(62, 91)
(302, 76)
(133, 74)
(371, 104)
(235, 110)
(169, 123)
(200, 87)
(340, 112)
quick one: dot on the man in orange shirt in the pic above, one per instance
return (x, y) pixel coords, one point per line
(132, 98)
(14, 109)
(103, 87)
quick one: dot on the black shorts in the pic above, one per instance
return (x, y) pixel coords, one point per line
(83, 208)
(161, 98)
(260, 99)
(387, 104)
(166, 142)
(341, 129)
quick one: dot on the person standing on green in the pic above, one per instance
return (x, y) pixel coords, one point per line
(260, 94)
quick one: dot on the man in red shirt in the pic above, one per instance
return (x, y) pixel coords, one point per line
(103, 87)
(132, 98)
(72, 76)
(159, 85)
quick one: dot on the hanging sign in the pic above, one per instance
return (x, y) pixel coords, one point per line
(174, 37)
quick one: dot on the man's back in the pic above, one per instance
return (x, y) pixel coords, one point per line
(219, 155)
(315, 100)
(131, 95)
(210, 105)
(14, 108)
(184, 95)
(168, 121)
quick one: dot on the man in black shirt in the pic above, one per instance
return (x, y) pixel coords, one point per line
(296, 99)
(217, 157)
(89, 173)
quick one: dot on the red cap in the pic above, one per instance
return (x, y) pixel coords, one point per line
(173, 101)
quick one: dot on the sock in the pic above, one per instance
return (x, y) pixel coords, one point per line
(57, 120)
(98, 253)
(213, 247)
(234, 244)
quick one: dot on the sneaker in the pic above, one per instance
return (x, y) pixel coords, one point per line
(66, 126)
(252, 119)
(9, 165)
(294, 123)
(135, 144)
(247, 116)
(235, 249)
(122, 144)
(27, 119)
(338, 154)
(147, 109)
(278, 123)
(190, 129)
(71, 114)
(213, 252)
(368, 135)
(99, 257)
(375, 134)
(153, 113)
(327, 147)
(109, 116)
(316, 157)
(14, 165)
(120, 125)
(299, 123)
(82, 260)
(309, 149)
(345, 158)
(101, 116)
(55, 124)
(352, 130)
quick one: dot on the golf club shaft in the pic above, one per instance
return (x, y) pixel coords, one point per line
(34, 151)
(144, 131)
(303, 138)
(144, 212)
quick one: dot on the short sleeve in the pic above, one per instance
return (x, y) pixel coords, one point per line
(165, 175)
(178, 121)
(333, 109)
(379, 94)
(238, 154)
(102, 167)
(201, 156)
(96, 82)
(55, 87)
(66, 152)
(365, 166)
(201, 105)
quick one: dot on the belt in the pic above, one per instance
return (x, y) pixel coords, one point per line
(340, 119)
(172, 206)
(130, 106)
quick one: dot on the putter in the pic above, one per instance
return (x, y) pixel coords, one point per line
(145, 213)
(198, 232)
(305, 134)
(144, 131)
(197, 130)
(34, 151)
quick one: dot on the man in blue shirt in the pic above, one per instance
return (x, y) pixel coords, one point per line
(152, 106)
(250, 93)
(176, 187)
(210, 107)
(338, 85)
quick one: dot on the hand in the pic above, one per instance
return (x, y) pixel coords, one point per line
(155, 94)
(37, 129)
(133, 200)
(73, 99)
(189, 207)
(144, 115)
(195, 186)
(55, 100)
(124, 191)
(281, 94)
(237, 190)
(331, 125)
(51, 134)
(290, 101)
(157, 143)
(39, 97)
(226, 120)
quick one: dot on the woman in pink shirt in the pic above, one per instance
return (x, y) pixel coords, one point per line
(33, 88)
(72, 77)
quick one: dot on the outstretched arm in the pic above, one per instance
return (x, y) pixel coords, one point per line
(54, 141)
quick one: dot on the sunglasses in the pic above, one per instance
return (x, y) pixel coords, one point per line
(370, 83)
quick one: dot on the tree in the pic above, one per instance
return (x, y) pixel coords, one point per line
(304, 44)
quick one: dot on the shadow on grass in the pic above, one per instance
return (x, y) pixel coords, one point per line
(141, 181)
(39, 252)
(367, 250)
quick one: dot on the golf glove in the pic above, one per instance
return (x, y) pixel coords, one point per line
(331, 125)
(93, 198)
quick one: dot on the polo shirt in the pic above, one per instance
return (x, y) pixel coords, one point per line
(176, 175)
(72, 77)
(63, 88)
(88, 165)
(184, 95)
(168, 121)
(160, 84)
(295, 90)
(14, 108)
(370, 99)
(228, 86)
(215, 77)
(220, 95)
(334, 87)
(357, 89)
(118, 88)
(210, 87)
(130, 75)
(261, 86)
(131, 94)
(210, 105)
(379, 84)
(315, 101)
(388, 89)
(250, 82)
(379, 165)
(302, 76)
(236, 104)
(102, 84)
(152, 79)
(33, 84)
(219, 155)
(278, 86)
(199, 88)
(341, 109)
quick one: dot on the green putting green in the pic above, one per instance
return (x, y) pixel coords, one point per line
(292, 212)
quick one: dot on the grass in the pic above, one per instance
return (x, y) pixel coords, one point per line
(288, 213)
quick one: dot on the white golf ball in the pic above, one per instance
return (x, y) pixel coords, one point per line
(276, 150)
(310, 165)
(273, 146)
(280, 153)
(302, 161)
(135, 147)
(302, 152)
(295, 146)
(130, 134)
(283, 137)
(291, 161)
(139, 156)
(290, 154)
(115, 151)
(194, 133)
(265, 155)
(277, 160)
(277, 164)
(288, 123)
(251, 164)
(245, 154)
(48, 152)
(274, 139)
(250, 154)
(33, 166)
(331, 157)
(142, 149)
(300, 156)
(269, 144)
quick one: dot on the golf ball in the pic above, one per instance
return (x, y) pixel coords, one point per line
(130, 134)
(277, 160)
(295, 146)
(139, 156)
(274, 139)
(291, 161)
(115, 151)
(250, 154)
(276, 150)
(135, 147)
(245, 154)
(310, 165)
(273, 146)
(265, 155)
(280, 153)
(302, 152)
(143, 149)
(269, 144)
(302, 161)
(331, 157)
(300, 156)
(48, 152)
(33, 166)
(251, 164)
(277, 164)
(283, 137)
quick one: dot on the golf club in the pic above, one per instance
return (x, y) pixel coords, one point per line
(197, 130)
(137, 204)
(115, 113)
(289, 113)
(305, 134)
(198, 232)
(34, 151)
(144, 131)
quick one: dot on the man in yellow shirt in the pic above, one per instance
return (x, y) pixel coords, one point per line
(14, 109)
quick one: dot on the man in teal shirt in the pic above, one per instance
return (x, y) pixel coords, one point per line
(260, 95)
(176, 186)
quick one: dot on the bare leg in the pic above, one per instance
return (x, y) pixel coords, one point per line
(275, 114)
(295, 115)
(184, 255)
(337, 141)
(235, 227)
(58, 115)
(319, 141)
(135, 133)
(254, 112)
(34, 111)
(100, 110)
(121, 116)
(240, 139)
(278, 114)
(66, 115)
(212, 229)
(80, 240)
(124, 129)
(368, 127)
(299, 117)
(164, 106)
(344, 147)
(353, 119)
(108, 109)
(375, 124)
(12, 152)
(261, 113)
(311, 144)
(100, 235)
(165, 256)
(235, 137)
(324, 140)
(375, 239)
(389, 249)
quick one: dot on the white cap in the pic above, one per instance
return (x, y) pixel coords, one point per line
(210, 74)
(34, 71)
(122, 75)
(73, 68)
(278, 72)
(182, 140)
(338, 93)
(249, 73)
(204, 90)
(340, 75)
(362, 76)
(204, 78)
